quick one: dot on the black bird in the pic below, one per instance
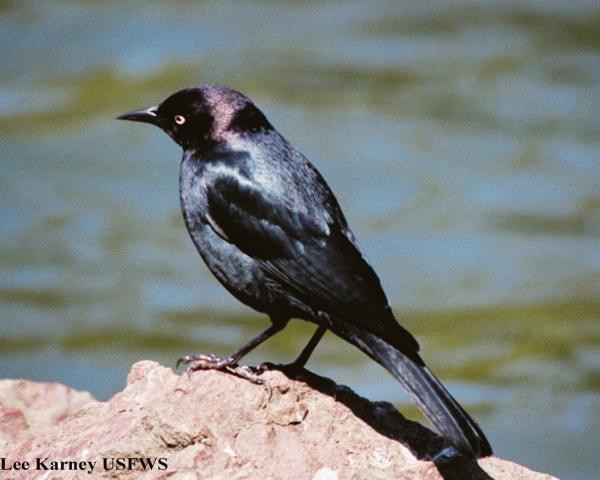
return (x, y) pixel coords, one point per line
(270, 229)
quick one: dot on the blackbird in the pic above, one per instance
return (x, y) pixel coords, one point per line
(271, 231)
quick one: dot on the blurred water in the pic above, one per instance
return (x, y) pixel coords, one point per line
(462, 140)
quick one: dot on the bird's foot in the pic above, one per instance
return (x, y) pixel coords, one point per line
(203, 361)
(228, 364)
(291, 369)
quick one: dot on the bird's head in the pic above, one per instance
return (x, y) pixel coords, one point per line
(202, 117)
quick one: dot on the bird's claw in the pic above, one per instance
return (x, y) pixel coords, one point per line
(204, 361)
(252, 375)
(210, 361)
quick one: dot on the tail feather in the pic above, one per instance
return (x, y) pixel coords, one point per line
(432, 398)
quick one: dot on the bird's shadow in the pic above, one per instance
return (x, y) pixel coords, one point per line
(386, 420)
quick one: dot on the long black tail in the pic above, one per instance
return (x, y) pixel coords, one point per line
(427, 391)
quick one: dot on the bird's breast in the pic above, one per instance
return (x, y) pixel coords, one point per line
(192, 194)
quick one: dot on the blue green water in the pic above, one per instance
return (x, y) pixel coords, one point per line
(462, 140)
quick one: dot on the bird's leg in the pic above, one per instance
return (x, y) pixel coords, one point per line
(307, 351)
(305, 354)
(230, 363)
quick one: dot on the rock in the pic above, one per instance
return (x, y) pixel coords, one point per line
(212, 425)
(27, 407)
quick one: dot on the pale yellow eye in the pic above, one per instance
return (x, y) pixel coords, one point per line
(179, 119)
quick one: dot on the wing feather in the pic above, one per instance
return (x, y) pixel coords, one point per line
(312, 256)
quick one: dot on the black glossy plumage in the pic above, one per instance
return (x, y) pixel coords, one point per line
(271, 231)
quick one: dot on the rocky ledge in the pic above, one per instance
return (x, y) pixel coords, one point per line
(212, 425)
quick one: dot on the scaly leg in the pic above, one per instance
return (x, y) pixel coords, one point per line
(299, 363)
(230, 364)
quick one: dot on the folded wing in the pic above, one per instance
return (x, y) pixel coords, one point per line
(308, 253)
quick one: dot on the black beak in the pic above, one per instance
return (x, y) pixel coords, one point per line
(146, 115)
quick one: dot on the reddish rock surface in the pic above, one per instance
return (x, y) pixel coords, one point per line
(212, 425)
(26, 408)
